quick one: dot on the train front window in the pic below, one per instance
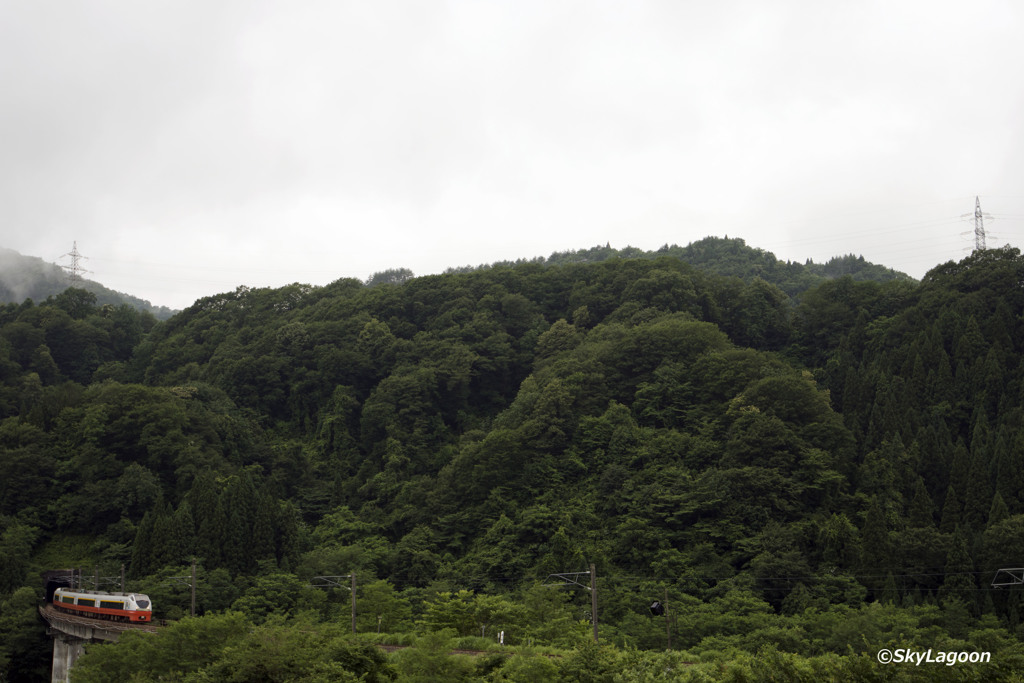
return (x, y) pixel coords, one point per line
(143, 604)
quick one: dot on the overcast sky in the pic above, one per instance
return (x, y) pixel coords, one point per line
(193, 146)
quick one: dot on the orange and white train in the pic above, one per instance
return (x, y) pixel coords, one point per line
(117, 606)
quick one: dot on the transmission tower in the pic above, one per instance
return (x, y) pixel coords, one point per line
(75, 270)
(979, 225)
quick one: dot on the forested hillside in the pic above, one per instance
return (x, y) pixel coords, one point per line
(29, 277)
(730, 257)
(805, 473)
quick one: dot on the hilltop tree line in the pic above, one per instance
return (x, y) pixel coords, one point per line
(747, 434)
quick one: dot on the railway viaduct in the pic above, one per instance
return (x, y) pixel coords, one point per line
(70, 632)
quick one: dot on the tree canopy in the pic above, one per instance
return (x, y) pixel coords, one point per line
(788, 453)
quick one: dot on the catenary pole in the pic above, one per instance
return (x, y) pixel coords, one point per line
(668, 627)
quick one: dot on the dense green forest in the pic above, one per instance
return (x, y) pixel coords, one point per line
(805, 463)
(723, 256)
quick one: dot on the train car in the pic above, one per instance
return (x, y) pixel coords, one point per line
(98, 605)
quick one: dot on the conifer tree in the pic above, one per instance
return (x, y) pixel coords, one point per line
(208, 516)
(949, 521)
(918, 379)
(998, 511)
(940, 384)
(993, 378)
(962, 390)
(959, 570)
(998, 326)
(978, 499)
(970, 342)
(876, 555)
(291, 535)
(239, 554)
(213, 533)
(906, 412)
(1010, 481)
(141, 547)
(999, 464)
(980, 434)
(854, 388)
(263, 532)
(945, 453)
(182, 538)
(162, 548)
(890, 595)
(921, 511)
(838, 540)
(934, 469)
(883, 421)
(960, 469)
(931, 347)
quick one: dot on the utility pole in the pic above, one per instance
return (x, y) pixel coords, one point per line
(593, 597)
(668, 627)
(573, 579)
(334, 581)
(189, 581)
(122, 577)
(660, 609)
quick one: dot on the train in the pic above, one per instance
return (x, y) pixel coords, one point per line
(134, 607)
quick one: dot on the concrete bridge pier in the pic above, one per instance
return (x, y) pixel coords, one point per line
(66, 649)
(70, 634)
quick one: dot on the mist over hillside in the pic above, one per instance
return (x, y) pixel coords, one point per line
(30, 277)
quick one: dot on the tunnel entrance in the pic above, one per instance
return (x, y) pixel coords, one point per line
(57, 578)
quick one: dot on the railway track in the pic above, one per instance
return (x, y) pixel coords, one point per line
(54, 616)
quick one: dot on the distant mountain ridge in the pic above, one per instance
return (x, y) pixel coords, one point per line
(30, 277)
(730, 257)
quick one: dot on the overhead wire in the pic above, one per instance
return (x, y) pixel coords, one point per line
(899, 573)
(784, 242)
